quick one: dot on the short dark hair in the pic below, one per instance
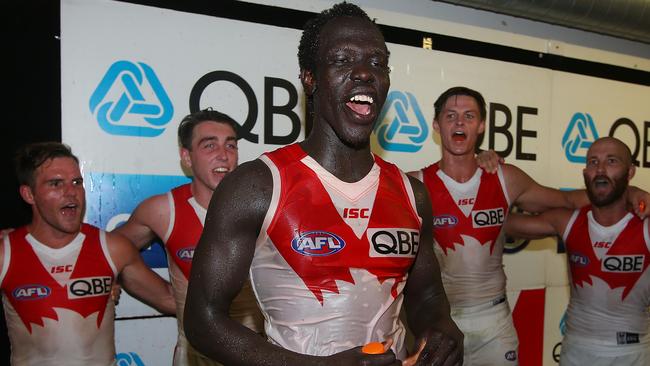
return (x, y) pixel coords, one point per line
(310, 39)
(186, 127)
(30, 157)
(460, 90)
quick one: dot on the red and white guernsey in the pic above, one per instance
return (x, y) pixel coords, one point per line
(185, 227)
(57, 301)
(610, 291)
(332, 257)
(467, 221)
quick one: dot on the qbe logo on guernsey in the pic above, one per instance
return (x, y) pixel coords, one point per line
(131, 101)
(578, 137)
(401, 125)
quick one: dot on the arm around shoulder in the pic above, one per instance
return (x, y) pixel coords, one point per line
(527, 226)
(531, 196)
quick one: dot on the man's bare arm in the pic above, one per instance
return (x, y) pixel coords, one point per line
(427, 307)
(137, 278)
(148, 220)
(550, 223)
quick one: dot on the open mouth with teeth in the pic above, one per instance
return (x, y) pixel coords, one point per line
(69, 210)
(459, 136)
(360, 104)
(601, 182)
(220, 170)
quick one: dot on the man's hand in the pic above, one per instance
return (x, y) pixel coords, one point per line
(442, 346)
(489, 160)
(639, 200)
(356, 357)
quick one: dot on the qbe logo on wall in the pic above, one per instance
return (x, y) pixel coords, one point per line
(131, 101)
(579, 135)
(401, 125)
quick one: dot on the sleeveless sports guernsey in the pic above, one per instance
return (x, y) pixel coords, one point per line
(57, 301)
(467, 220)
(332, 257)
(610, 284)
(468, 242)
(185, 227)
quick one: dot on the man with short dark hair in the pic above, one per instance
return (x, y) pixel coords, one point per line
(208, 148)
(608, 251)
(56, 273)
(334, 238)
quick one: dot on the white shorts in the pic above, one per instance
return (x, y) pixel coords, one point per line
(576, 354)
(490, 335)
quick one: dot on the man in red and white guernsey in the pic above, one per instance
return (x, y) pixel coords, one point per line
(56, 273)
(469, 208)
(608, 251)
(208, 148)
(335, 239)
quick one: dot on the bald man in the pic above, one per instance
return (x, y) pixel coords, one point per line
(609, 253)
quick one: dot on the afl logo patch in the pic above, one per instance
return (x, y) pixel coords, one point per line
(317, 244)
(31, 292)
(578, 259)
(444, 221)
(185, 254)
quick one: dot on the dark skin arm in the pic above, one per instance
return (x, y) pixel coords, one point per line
(427, 307)
(220, 266)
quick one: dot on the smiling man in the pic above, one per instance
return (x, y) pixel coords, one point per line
(56, 273)
(608, 252)
(208, 148)
(334, 238)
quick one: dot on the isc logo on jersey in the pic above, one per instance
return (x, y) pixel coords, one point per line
(443, 221)
(623, 263)
(398, 242)
(185, 254)
(31, 292)
(317, 243)
(89, 287)
(488, 218)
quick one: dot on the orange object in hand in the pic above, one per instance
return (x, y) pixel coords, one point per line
(373, 348)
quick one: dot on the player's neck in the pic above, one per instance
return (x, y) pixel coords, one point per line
(201, 193)
(344, 162)
(610, 214)
(48, 235)
(460, 168)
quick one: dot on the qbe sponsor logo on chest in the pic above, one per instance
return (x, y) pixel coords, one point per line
(89, 287)
(395, 242)
(488, 218)
(623, 263)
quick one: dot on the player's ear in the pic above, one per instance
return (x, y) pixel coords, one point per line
(185, 158)
(481, 126)
(630, 172)
(436, 125)
(26, 193)
(308, 81)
